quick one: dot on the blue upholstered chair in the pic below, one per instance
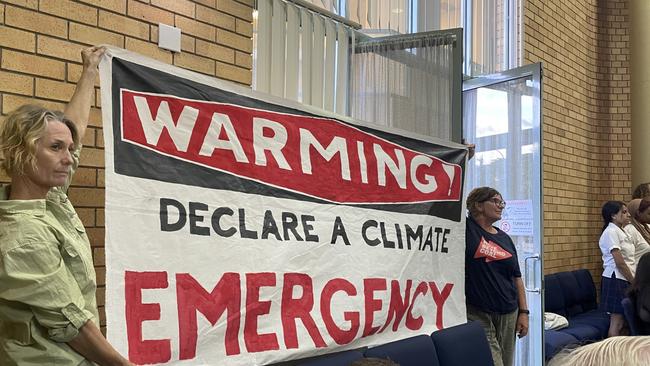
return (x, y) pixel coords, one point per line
(344, 358)
(462, 345)
(413, 351)
(630, 315)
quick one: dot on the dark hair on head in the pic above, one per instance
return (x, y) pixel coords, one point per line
(644, 205)
(610, 208)
(479, 195)
(641, 191)
(642, 276)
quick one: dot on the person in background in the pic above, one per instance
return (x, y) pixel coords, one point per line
(639, 294)
(494, 290)
(638, 229)
(641, 191)
(619, 351)
(48, 310)
(618, 257)
(373, 361)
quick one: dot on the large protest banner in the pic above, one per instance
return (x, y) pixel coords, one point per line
(243, 229)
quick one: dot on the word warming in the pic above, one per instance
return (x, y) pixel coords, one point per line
(318, 157)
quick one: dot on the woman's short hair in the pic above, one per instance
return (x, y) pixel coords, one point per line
(623, 351)
(479, 195)
(20, 134)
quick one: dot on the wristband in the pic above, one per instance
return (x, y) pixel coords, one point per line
(524, 311)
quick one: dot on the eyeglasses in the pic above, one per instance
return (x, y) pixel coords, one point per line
(498, 202)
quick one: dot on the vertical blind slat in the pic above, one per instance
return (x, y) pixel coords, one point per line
(293, 49)
(317, 62)
(306, 36)
(342, 60)
(277, 48)
(329, 64)
(263, 64)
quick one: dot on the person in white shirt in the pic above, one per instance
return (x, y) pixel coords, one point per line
(638, 229)
(618, 257)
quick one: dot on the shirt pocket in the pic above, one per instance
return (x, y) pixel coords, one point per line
(19, 332)
(78, 264)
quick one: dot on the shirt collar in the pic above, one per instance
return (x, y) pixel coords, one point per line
(29, 207)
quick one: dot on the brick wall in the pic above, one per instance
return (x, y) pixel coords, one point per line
(584, 47)
(40, 44)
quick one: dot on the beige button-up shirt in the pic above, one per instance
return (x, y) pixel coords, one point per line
(47, 280)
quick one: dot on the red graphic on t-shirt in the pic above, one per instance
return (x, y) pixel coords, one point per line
(491, 251)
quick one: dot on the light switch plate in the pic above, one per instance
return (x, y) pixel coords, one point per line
(169, 37)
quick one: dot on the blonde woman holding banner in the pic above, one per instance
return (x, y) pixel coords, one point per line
(48, 311)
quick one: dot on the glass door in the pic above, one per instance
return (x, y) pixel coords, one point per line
(502, 116)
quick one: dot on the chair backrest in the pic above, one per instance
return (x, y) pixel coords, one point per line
(553, 295)
(463, 345)
(344, 358)
(413, 351)
(587, 289)
(629, 312)
(571, 292)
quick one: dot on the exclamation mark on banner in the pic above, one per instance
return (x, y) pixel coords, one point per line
(449, 169)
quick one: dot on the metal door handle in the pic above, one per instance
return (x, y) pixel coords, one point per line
(533, 289)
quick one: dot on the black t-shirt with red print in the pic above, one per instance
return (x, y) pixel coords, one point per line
(491, 266)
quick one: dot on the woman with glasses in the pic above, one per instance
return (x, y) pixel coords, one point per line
(618, 259)
(494, 290)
